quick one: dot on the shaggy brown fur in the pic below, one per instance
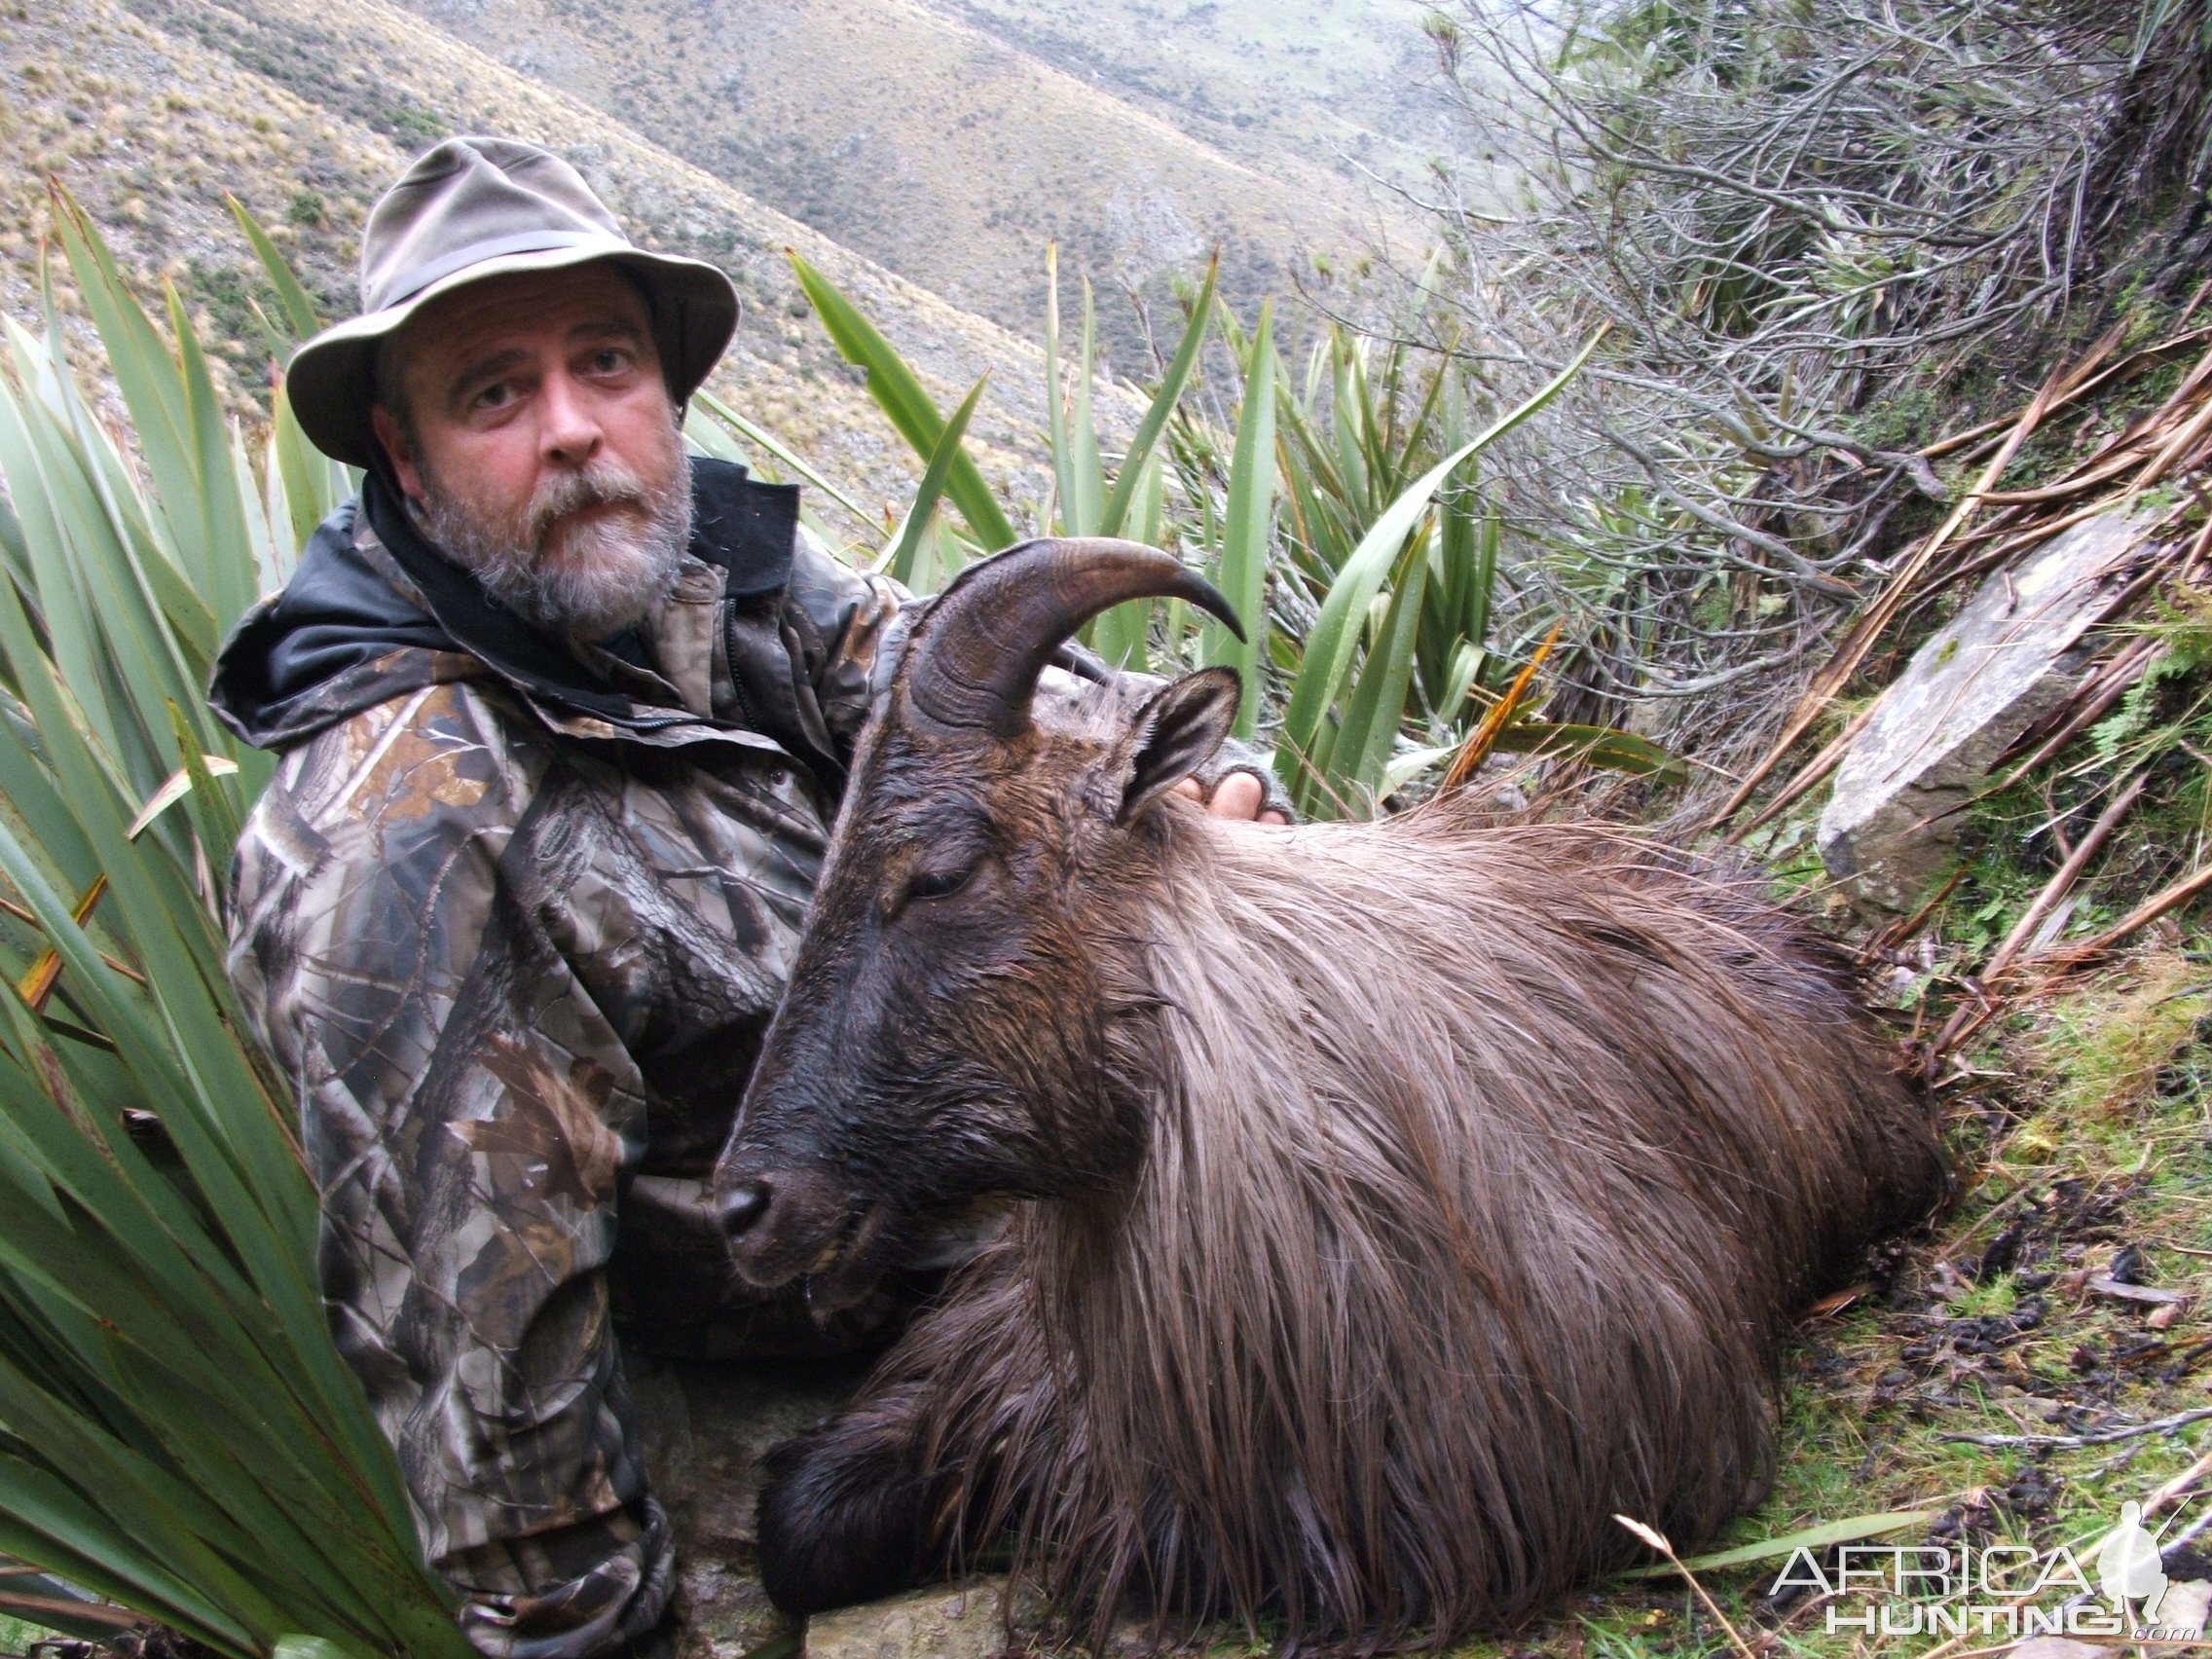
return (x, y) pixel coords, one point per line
(1411, 1197)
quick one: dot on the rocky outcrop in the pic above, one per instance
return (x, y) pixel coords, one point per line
(2011, 655)
(966, 1622)
(705, 1427)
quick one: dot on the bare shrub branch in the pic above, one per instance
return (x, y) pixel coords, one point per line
(1798, 218)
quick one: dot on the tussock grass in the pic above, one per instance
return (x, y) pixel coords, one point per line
(2108, 1049)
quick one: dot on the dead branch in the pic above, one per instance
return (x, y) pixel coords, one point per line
(2094, 1437)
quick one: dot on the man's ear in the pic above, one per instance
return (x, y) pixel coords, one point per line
(1175, 733)
(397, 450)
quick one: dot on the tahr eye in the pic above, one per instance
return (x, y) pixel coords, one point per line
(935, 883)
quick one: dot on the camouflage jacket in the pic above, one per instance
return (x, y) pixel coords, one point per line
(511, 919)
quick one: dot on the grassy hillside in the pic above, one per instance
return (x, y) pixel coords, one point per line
(937, 149)
(1335, 82)
(151, 110)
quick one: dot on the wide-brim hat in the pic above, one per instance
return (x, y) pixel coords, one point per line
(474, 208)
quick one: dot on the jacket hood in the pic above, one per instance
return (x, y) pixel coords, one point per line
(366, 618)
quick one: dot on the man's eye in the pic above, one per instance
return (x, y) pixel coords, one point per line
(493, 396)
(613, 360)
(935, 883)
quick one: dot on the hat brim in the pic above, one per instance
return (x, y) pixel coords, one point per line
(331, 379)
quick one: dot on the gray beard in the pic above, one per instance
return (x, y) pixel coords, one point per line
(603, 577)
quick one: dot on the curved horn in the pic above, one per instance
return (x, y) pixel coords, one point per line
(977, 653)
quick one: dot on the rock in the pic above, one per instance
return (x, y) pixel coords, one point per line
(969, 1621)
(962, 1623)
(705, 1427)
(2057, 1647)
(2007, 659)
(722, 1612)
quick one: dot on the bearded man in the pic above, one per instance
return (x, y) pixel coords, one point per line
(562, 714)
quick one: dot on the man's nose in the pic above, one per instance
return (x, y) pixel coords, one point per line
(569, 431)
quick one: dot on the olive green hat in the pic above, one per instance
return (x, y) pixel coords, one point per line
(477, 207)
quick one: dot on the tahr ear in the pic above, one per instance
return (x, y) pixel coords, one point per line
(1175, 733)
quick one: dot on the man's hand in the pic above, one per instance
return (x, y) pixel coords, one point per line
(1238, 795)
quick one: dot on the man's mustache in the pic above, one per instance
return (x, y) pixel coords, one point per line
(600, 483)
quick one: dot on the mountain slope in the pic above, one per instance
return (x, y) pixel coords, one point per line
(932, 146)
(149, 111)
(1345, 85)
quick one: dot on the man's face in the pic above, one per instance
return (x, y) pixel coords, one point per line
(541, 449)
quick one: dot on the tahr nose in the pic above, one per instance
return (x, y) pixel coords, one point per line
(743, 1204)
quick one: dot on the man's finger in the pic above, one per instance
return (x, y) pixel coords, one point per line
(1238, 795)
(1188, 787)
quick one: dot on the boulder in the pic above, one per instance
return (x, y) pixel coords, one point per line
(2011, 655)
(964, 1622)
(705, 1427)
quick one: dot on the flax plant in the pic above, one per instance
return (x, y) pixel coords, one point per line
(1342, 513)
(179, 1437)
